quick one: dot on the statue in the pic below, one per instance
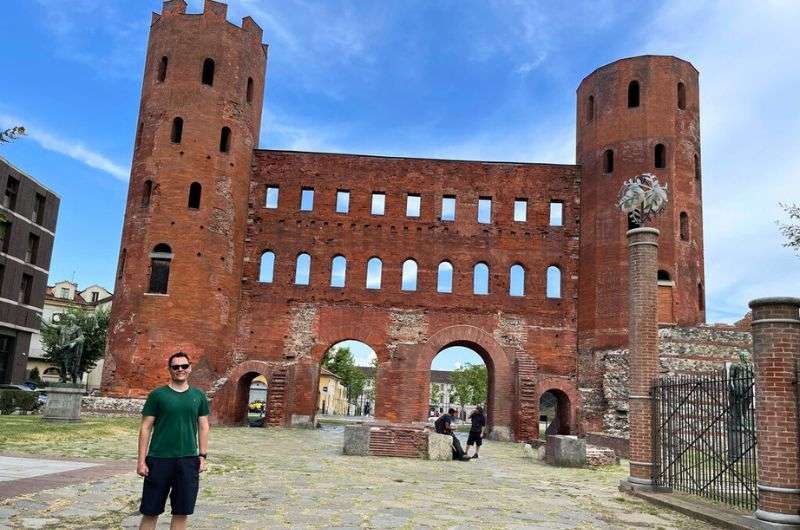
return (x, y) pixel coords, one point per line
(642, 198)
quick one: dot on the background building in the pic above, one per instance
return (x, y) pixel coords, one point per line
(58, 299)
(332, 394)
(27, 230)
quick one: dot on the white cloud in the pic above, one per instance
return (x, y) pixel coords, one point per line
(744, 52)
(68, 147)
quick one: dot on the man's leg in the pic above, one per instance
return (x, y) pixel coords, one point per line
(178, 522)
(468, 448)
(148, 522)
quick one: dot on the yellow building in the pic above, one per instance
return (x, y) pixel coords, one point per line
(332, 394)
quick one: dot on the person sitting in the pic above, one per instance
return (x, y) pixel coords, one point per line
(444, 425)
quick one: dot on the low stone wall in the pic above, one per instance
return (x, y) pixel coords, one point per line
(108, 406)
(401, 440)
(619, 444)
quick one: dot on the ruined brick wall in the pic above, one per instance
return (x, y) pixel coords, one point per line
(198, 312)
(605, 122)
(681, 351)
(299, 323)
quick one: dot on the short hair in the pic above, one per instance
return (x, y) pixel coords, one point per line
(175, 355)
(451, 410)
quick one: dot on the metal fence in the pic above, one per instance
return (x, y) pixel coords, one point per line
(705, 435)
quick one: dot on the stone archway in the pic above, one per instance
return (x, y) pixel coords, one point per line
(500, 396)
(229, 403)
(567, 402)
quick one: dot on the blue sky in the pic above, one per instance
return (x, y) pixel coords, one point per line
(465, 79)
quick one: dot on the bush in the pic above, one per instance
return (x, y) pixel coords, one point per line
(10, 400)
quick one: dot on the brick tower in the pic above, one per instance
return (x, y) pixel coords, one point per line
(638, 115)
(180, 267)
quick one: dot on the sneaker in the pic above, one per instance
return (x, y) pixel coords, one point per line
(475, 455)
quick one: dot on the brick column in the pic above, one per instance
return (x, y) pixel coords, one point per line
(776, 353)
(643, 347)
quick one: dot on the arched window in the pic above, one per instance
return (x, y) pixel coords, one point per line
(663, 276)
(338, 271)
(249, 90)
(147, 191)
(701, 297)
(302, 272)
(194, 195)
(160, 260)
(177, 130)
(208, 72)
(633, 94)
(590, 109)
(266, 271)
(684, 226)
(225, 140)
(660, 156)
(480, 278)
(162, 69)
(553, 282)
(516, 280)
(409, 282)
(696, 167)
(681, 96)
(608, 161)
(444, 280)
(374, 270)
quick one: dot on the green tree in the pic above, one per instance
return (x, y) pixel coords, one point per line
(791, 231)
(340, 361)
(11, 134)
(76, 342)
(469, 384)
(35, 376)
(436, 393)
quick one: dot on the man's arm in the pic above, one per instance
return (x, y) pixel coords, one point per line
(202, 439)
(145, 430)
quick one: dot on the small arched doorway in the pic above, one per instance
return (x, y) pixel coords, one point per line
(250, 403)
(555, 413)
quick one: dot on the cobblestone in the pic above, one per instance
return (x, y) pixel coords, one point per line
(267, 478)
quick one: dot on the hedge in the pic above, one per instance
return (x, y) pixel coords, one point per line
(10, 400)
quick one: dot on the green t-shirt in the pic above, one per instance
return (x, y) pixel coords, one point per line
(175, 426)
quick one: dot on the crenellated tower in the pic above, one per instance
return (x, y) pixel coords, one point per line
(180, 268)
(638, 115)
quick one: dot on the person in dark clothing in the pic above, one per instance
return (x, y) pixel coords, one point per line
(444, 425)
(478, 419)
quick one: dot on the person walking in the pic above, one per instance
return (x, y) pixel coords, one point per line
(478, 420)
(173, 446)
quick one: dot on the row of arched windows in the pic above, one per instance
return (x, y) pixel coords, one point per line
(634, 97)
(195, 192)
(408, 282)
(176, 135)
(206, 75)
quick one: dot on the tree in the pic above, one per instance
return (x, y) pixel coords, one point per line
(76, 342)
(340, 361)
(791, 231)
(11, 134)
(469, 384)
(436, 394)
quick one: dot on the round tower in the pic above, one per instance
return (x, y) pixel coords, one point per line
(181, 256)
(639, 115)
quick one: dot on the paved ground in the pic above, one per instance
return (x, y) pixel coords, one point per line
(15, 468)
(266, 478)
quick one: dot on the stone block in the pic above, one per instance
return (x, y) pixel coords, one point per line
(63, 404)
(440, 446)
(500, 433)
(566, 451)
(302, 421)
(356, 440)
(528, 452)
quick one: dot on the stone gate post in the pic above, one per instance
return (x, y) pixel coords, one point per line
(776, 353)
(643, 347)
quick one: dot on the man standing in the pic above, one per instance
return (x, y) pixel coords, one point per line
(478, 420)
(177, 417)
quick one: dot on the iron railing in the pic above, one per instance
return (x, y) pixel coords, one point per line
(705, 435)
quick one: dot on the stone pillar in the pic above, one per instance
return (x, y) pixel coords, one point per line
(643, 347)
(776, 353)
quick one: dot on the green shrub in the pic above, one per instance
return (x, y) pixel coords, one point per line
(10, 400)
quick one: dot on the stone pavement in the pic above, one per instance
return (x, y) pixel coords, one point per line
(15, 468)
(271, 478)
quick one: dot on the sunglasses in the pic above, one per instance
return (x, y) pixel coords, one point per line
(180, 366)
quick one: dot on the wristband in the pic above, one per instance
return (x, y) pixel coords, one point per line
(203, 455)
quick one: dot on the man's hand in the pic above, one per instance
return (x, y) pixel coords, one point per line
(202, 464)
(142, 470)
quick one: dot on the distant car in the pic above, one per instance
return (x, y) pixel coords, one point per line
(41, 397)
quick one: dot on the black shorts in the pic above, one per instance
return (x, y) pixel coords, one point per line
(177, 477)
(474, 438)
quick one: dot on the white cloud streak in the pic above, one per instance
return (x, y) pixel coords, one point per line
(67, 147)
